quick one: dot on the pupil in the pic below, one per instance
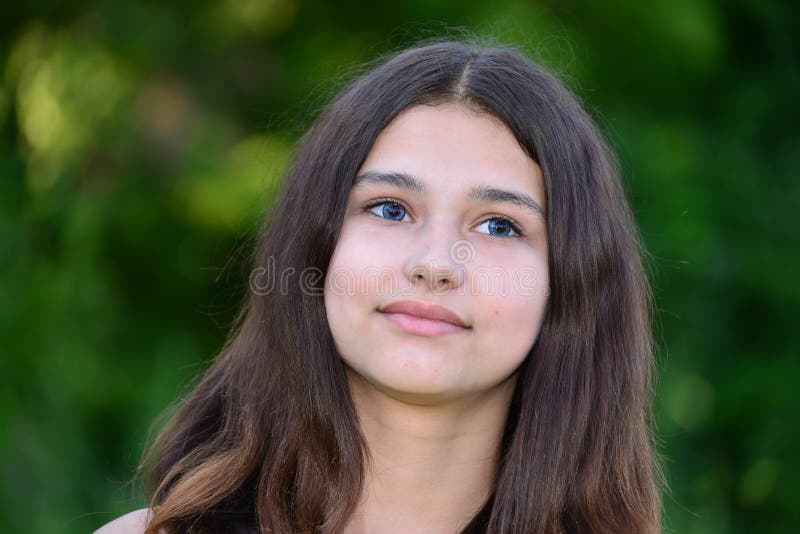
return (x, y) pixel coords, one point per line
(504, 227)
(392, 211)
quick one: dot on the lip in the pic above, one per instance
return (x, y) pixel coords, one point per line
(423, 318)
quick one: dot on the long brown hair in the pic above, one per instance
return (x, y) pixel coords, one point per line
(269, 439)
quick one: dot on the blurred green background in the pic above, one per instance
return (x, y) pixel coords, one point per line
(139, 141)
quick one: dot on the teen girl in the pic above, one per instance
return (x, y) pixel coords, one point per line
(463, 344)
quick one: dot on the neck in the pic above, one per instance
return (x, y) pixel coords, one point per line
(431, 467)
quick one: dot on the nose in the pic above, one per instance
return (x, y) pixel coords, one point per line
(434, 263)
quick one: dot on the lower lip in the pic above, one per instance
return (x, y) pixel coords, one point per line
(422, 327)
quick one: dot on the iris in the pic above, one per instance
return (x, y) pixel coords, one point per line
(503, 226)
(394, 211)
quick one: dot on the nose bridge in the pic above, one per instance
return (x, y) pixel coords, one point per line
(432, 257)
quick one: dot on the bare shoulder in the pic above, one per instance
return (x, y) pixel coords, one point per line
(132, 523)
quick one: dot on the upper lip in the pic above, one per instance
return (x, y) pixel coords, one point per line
(426, 310)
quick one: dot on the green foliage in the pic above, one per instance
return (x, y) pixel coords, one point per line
(140, 141)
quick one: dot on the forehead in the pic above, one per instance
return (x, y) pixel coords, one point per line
(452, 148)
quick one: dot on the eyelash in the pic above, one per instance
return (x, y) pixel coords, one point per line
(388, 200)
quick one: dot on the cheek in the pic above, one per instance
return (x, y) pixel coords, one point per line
(514, 307)
(363, 268)
(511, 328)
(512, 280)
(515, 319)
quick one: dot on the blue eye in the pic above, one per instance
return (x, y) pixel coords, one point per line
(390, 209)
(394, 210)
(502, 227)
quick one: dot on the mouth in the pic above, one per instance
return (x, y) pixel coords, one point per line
(422, 326)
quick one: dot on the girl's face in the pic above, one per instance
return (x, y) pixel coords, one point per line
(447, 210)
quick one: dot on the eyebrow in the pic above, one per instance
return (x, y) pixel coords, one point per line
(484, 193)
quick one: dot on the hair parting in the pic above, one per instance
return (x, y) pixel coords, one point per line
(269, 440)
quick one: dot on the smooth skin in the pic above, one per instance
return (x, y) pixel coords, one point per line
(433, 408)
